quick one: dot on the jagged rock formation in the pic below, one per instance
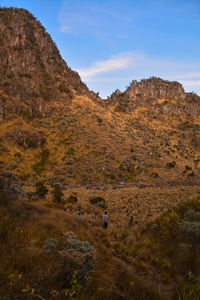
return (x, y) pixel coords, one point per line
(156, 96)
(33, 74)
(156, 88)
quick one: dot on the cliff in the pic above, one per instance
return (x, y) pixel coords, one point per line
(33, 74)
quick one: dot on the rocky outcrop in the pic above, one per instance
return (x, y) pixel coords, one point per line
(156, 88)
(33, 74)
(151, 88)
(155, 96)
(25, 138)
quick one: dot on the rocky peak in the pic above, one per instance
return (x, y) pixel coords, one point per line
(156, 88)
(153, 88)
(33, 73)
(156, 96)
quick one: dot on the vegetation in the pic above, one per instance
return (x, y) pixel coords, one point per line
(125, 155)
(72, 199)
(41, 189)
(40, 166)
(63, 260)
(98, 201)
(172, 242)
(57, 194)
(63, 88)
(171, 164)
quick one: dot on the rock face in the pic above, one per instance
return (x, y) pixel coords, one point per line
(156, 88)
(33, 74)
(155, 96)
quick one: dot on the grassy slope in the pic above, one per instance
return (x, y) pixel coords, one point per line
(142, 262)
(97, 142)
(84, 150)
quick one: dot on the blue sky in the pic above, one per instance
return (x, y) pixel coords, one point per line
(112, 42)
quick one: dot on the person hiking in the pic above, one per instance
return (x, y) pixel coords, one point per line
(105, 220)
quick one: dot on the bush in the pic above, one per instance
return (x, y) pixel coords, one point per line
(39, 167)
(171, 164)
(191, 230)
(188, 168)
(154, 175)
(98, 201)
(191, 289)
(41, 189)
(57, 194)
(71, 151)
(72, 199)
(192, 216)
(80, 255)
(50, 246)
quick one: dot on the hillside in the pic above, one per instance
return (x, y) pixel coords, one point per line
(139, 151)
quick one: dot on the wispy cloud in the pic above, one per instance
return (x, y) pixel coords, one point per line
(137, 63)
(65, 29)
(115, 62)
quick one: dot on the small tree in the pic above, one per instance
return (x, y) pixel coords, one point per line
(57, 194)
(41, 189)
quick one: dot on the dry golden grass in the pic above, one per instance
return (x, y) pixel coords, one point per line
(87, 145)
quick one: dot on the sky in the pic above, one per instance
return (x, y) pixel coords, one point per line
(112, 42)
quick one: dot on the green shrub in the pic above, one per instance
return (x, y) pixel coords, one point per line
(171, 164)
(188, 168)
(191, 231)
(71, 151)
(50, 246)
(41, 189)
(39, 167)
(57, 194)
(128, 176)
(190, 289)
(82, 255)
(72, 199)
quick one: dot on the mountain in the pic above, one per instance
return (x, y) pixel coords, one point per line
(136, 154)
(145, 136)
(33, 74)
